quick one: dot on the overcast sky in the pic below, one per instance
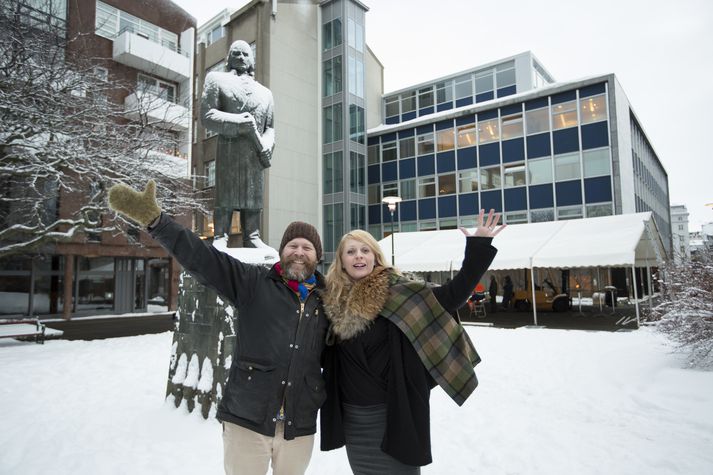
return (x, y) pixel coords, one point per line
(661, 51)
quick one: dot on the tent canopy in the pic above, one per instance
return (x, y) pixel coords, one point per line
(608, 241)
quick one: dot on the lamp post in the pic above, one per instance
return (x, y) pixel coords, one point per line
(391, 202)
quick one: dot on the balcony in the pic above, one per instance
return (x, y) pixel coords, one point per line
(157, 111)
(146, 55)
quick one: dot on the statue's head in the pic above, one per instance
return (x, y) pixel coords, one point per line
(240, 58)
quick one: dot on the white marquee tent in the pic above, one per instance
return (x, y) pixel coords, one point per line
(627, 240)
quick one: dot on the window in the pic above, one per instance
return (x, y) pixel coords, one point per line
(408, 102)
(356, 76)
(424, 143)
(332, 172)
(490, 178)
(356, 172)
(407, 147)
(511, 126)
(156, 87)
(373, 151)
(215, 34)
(447, 184)
(593, 109)
(427, 226)
(466, 135)
(408, 189)
(467, 181)
(564, 115)
(427, 187)
(464, 86)
(601, 209)
(111, 22)
(488, 131)
(514, 175)
(444, 92)
(425, 97)
(374, 194)
(516, 217)
(450, 223)
(388, 151)
(391, 105)
(567, 166)
(210, 173)
(542, 215)
(332, 83)
(596, 162)
(409, 227)
(356, 123)
(356, 35)
(483, 81)
(540, 171)
(538, 120)
(505, 74)
(569, 212)
(358, 216)
(445, 140)
(333, 123)
(332, 34)
(390, 189)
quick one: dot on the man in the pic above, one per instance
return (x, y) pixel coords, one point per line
(493, 292)
(269, 406)
(240, 111)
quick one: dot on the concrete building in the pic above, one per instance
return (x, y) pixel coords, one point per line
(680, 234)
(148, 46)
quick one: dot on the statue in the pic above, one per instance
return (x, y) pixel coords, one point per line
(240, 111)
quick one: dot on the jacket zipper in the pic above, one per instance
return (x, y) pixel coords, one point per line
(281, 415)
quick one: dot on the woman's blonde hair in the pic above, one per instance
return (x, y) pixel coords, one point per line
(337, 278)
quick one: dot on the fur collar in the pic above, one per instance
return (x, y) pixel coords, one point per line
(359, 304)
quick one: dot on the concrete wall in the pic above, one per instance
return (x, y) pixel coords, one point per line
(623, 168)
(374, 88)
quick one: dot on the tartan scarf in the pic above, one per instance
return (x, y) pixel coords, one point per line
(303, 288)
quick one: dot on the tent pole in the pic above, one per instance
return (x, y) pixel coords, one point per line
(651, 289)
(636, 294)
(534, 302)
(599, 284)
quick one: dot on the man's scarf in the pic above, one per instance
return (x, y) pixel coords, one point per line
(303, 288)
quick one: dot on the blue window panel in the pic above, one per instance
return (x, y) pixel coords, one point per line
(484, 96)
(597, 190)
(491, 199)
(426, 165)
(392, 120)
(541, 196)
(569, 193)
(374, 175)
(374, 214)
(466, 119)
(592, 90)
(446, 161)
(444, 124)
(514, 150)
(388, 171)
(373, 140)
(444, 107)
(424, 129)
(408, 116)
(538, 145)
(468, 204)
(489, 154)
(425, 111)
(595, 135)
(464, 101)
(406, 133)
(447, 207)
(467, 158)
(388, 137)
(563, 97)
(511, 109)
(427, 208)
(491, 114)
(565, 140)
(515, 199)
(407, 168)
(408, 210)
(536, 104)
(507, 91)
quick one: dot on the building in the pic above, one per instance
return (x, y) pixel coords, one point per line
(680, 234)
(504, 135)
(148, 46)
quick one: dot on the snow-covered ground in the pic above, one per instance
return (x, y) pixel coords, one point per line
(549, 402)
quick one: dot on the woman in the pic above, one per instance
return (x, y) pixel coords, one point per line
(389, 344)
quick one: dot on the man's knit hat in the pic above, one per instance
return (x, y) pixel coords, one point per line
(299, 229)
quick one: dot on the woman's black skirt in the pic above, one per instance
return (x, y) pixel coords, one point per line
(364, 428)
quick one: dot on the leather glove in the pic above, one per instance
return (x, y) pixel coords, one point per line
(140, 207)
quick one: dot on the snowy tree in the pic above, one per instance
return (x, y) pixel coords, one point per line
(686, 310)
(65, 138)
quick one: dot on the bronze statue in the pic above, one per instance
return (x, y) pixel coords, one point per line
(240, 110)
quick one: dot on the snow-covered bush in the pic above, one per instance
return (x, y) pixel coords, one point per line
(685, 313)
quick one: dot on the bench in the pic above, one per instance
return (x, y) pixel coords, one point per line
(24, 328)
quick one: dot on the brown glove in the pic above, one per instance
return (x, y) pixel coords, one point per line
(140, 207)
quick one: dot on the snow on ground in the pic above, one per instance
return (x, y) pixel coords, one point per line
(549, 402)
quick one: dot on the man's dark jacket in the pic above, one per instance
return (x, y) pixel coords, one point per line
(279, 340)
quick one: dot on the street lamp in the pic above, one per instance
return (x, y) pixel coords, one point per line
(391, 202)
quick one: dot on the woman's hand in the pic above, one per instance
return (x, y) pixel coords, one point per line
(489, 229)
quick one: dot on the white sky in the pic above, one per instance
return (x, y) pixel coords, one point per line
(656, 48)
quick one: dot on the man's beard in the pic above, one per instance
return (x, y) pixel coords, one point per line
(300, 275)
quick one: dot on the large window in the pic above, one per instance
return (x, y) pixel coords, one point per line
(542, 215)
(95, 278)
(373, 151)
(516, 217)
(356, 123)
(356, 172)
(333, 172)
(505, 74)
(569, 212)
(356, 76)
(215, 34)
(332, 83)
(356, 35)
(408, 102)
(424, 143)
(567, 166)
(447, 184)
(466, 135)
(488, 131)
(593, 109)
(408, 189)
(425, 97)
(511, 126)
(333, 225)
(445, 140)
(390, 189)
(427, 187)
(444, 92)
(600, 209)
(596, 162)
(388, 151)
(467, 181)
(484, 81)
(514, 175)
(332, 34)
(407, 147)
(564, 115)
(464, 86)
(210, 173)
(538, 120)
(540, 171)
(374, 194)
(156, 87)
(391, 105)
(333, 123)
(490, 178)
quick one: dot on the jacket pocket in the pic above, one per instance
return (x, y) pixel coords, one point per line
(313, 396)
(250, 389)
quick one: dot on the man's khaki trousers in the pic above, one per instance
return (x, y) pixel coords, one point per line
(248, 453)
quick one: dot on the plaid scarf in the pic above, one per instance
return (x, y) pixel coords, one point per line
(440, 342)
(303, 288)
